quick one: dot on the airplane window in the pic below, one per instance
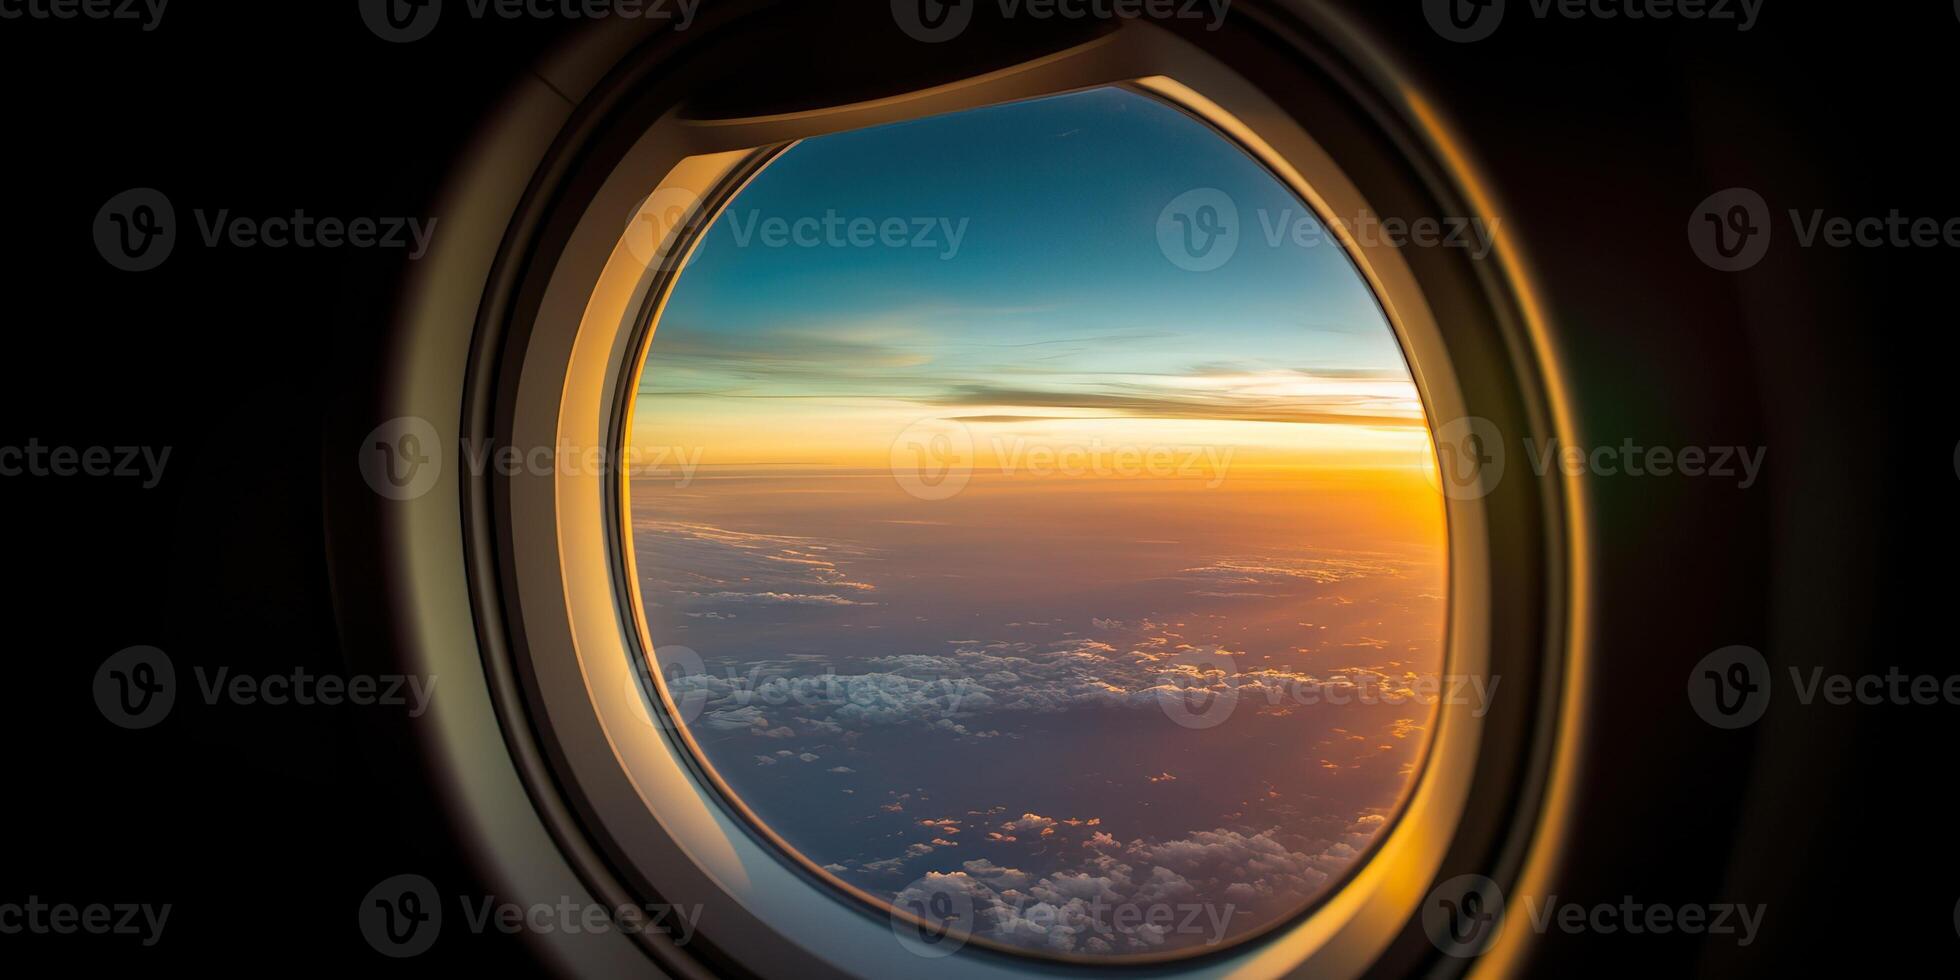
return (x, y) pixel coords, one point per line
(1034, 524)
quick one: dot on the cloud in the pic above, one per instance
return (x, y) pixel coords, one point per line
(728, 719)
(1028, 821)
(784, 598)
(1008, 418)
(1281, 395)
(1206, 880)
(997, 877)
(750, 363)
(950, 694)
(703, 564)
(1272, 571)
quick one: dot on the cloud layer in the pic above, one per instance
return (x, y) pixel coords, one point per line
(1139, 897)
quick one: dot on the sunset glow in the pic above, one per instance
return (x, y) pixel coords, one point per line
(938, 544)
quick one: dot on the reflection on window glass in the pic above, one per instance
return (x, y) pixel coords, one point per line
(1048, 504)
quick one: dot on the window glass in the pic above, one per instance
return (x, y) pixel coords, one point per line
(1033, 503)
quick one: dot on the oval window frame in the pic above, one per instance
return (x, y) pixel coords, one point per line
(735, 173)
(539, 579)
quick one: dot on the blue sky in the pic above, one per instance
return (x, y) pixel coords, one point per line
(1058, 295)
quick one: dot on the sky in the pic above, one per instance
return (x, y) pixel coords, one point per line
(1057, 302)
(1143, 491)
